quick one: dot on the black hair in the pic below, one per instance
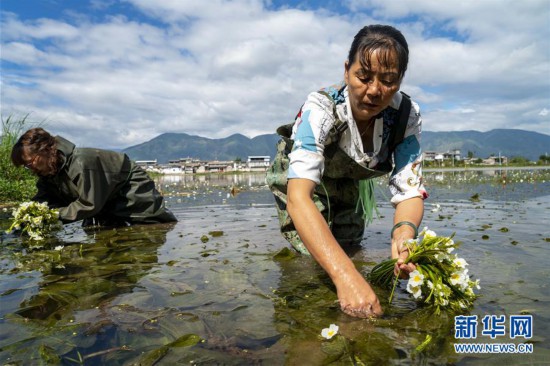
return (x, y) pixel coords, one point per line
(384, 38)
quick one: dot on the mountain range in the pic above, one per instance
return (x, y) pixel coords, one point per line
(506, 142)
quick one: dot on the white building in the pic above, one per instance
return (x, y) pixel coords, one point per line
(258, 163)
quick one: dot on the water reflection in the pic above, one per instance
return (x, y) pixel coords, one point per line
(69, 291)
(220, 180)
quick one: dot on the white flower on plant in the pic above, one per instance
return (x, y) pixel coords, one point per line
(59, 247)
(330, 332)
(460, 262)
(460, 278)
(450, 243)
(450, 249)
(429, 233)
(476, 284)
(416, 278)
(416, 291)
(35, 236)
(441, 257)
(430, 284)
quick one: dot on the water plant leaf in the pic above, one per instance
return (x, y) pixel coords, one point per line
(335, 348)
(151, 358)
(422, 346)
(154, 356)
(48, 355)
(186, 341)
(284, 254)
(215, 233)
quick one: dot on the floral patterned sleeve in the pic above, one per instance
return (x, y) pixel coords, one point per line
(309, 134)
(406, 178)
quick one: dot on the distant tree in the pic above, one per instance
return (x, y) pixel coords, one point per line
(470, 154)
(478, 161)
(544, 159)
(519, 160)
(238, 160)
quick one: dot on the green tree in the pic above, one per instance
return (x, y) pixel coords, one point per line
(518, 160)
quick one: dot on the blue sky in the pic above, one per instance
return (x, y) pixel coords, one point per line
(115, 73)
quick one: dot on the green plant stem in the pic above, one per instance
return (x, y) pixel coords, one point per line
(394, 284)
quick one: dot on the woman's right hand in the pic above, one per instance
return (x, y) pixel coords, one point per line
(356, 296)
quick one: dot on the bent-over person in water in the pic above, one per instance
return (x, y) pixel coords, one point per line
(101, 187)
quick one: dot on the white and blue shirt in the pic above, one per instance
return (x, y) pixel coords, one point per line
(311, 133)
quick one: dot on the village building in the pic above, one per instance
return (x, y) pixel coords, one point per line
(258, 163)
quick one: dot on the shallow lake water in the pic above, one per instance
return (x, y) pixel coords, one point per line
(221, 287)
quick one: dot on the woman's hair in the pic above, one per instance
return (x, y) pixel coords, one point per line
(36, 141)
(384, 38)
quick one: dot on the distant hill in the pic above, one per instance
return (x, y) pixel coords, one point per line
(507, 142)
(171, 146)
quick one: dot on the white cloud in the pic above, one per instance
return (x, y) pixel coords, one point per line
(217, 68)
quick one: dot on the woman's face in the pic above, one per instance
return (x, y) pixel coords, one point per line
(36, 163)
(371, 90)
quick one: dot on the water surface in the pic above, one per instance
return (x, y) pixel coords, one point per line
(220, 286)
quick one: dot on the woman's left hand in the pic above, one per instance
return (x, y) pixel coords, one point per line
(401, 253)
(403, 269)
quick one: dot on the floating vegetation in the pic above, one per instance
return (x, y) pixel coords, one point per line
(153, 357)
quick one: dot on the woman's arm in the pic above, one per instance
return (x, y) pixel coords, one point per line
(411, 210)
(406, 185)
(354, 293)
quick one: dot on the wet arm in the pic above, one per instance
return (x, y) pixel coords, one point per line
(355, 295)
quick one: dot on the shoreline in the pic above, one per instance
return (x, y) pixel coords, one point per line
(487, 168)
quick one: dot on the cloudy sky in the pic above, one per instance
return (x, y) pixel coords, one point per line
(115, 73)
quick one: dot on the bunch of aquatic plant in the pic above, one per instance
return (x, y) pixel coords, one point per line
(441, 278)
(35, 219)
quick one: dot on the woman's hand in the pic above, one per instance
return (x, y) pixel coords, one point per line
(356, 297)
(411, 211)
(401, 253)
